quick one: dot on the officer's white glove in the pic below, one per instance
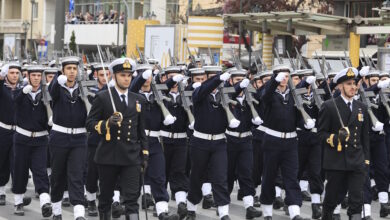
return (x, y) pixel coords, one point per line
(4, 71)
(178, 78)
(50, 122)
(310, 123)
(111, 83)
(156, 71)
(244, 83)
(281, 76)
(234, 123)
(191, 126)
(62, 79)
(384, 84)
(169, 120)
(196, 85)
(378, 126)
(27, 89)
(310, 79)
(146, 74)
(225, 76)
(257, 121)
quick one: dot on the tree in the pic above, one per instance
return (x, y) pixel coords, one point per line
(72, 43)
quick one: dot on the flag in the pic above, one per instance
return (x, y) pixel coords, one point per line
(71, 5)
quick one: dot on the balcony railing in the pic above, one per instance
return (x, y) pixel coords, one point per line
(11, 26)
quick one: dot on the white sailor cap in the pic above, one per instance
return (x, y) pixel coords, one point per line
(99, 66)
(52, 63)
(373, 73)
(122, 65)
(319, 76)
(240, 72)
(332, 73)
(24, 67)
(152, 61)
(181, 63)
(70, 60)
(345, 74)
(35, 68)
(173, 69)
(208, 69)
(231, 69)
(144, 67)
(266, 73)
(384, 74)
(197, 59)
(197, 71)
(364, 71)
(281, 68)
(14, 66)
(51, 70)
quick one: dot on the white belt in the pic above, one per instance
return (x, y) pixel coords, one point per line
(238, 134)
(314, 130)
(152, 133)
(209, 137)
(261, 128)
(8, 127)
(279, 134)
(31, 133)
(68, 130)
(173, 135)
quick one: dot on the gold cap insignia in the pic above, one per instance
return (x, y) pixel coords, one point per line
(350, 73)
(126, 65)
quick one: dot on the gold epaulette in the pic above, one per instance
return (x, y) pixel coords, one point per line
(145, 152)
(367, 162)
(330, 140)
(98, 127)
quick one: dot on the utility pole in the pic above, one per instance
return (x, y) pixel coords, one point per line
(32, 17)
(117, 34)
(239, 34)
(59, 25)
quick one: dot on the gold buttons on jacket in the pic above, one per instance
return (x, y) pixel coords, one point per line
(118, 138)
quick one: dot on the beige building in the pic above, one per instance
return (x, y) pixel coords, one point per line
(15, 19)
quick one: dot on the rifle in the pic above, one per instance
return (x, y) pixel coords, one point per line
(46, 98)
(291, 61)
(172, 59)
(365, 97)
(300, 58)
(211, 57)
(225, 100)
(84, 83)
(159, 97)
(384, 97)
(186, 101)
(263, 65)
(191, 56)
(349, 63)
(280, 61)
(141, 56)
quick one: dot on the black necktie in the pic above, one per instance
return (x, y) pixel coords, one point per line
(123, 103)
(349, 106)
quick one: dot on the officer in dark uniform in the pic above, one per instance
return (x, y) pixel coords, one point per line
(175, 141)
(239, 144)
(280, 145)
(30, 143)
(123, 144)
(9, 79)
(154, 120)
(208, 146)
(345, 150)
(68, 140)
(91, 184)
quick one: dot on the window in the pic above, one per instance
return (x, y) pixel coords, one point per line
(172, 10)
(35, 10)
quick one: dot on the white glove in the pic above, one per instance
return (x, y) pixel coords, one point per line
(169, 120)
(62, 79)
(191, 126)
(4, 71)
(50, 122)
(146, 74)
(178, 78)
(310, 79)
(244, 83)
(281, 76)
(225, 76)
(111, 83)
(310, 124)
(156, 71)
(234, 123)
(378, 126)
(27, 89)
(384, 84)
(135, 74)
(25, 81)
(257, 121)
(196, 85)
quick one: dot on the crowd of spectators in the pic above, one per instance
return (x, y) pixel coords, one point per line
(100, 18)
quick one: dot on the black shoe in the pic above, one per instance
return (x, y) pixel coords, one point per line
(117, 210)
(208, 201)
(316, 211)
(278, 203)
(19, 210)
(191, 215)
(167, 216)
(239, 195)
(133, 216)
(336, 217)
(26, 201)
(344, 203)
(226, 217)
(80, 218)
(57, 217)
(46, 210)
(252, 213)
(2, 200)
(149, 201)
(285, 209)
(92, 210)
(306, 196)
(65, 202)
(374, 193)
(385, 210)
(256, 202)
(104, 216)
(367, 218)
(182, 210)
(268, 218)
(298, 217)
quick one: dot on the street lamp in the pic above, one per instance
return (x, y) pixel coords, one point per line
(32, 16)
(25, 26)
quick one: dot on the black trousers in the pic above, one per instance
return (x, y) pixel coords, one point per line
(176, 161)
(379, 162)
(6, 156)
(257, 161)
(68, 164)
(34, 158)
(129, 181)
(213, 155)
(309, 154)
(341, 182)
(91, 183)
